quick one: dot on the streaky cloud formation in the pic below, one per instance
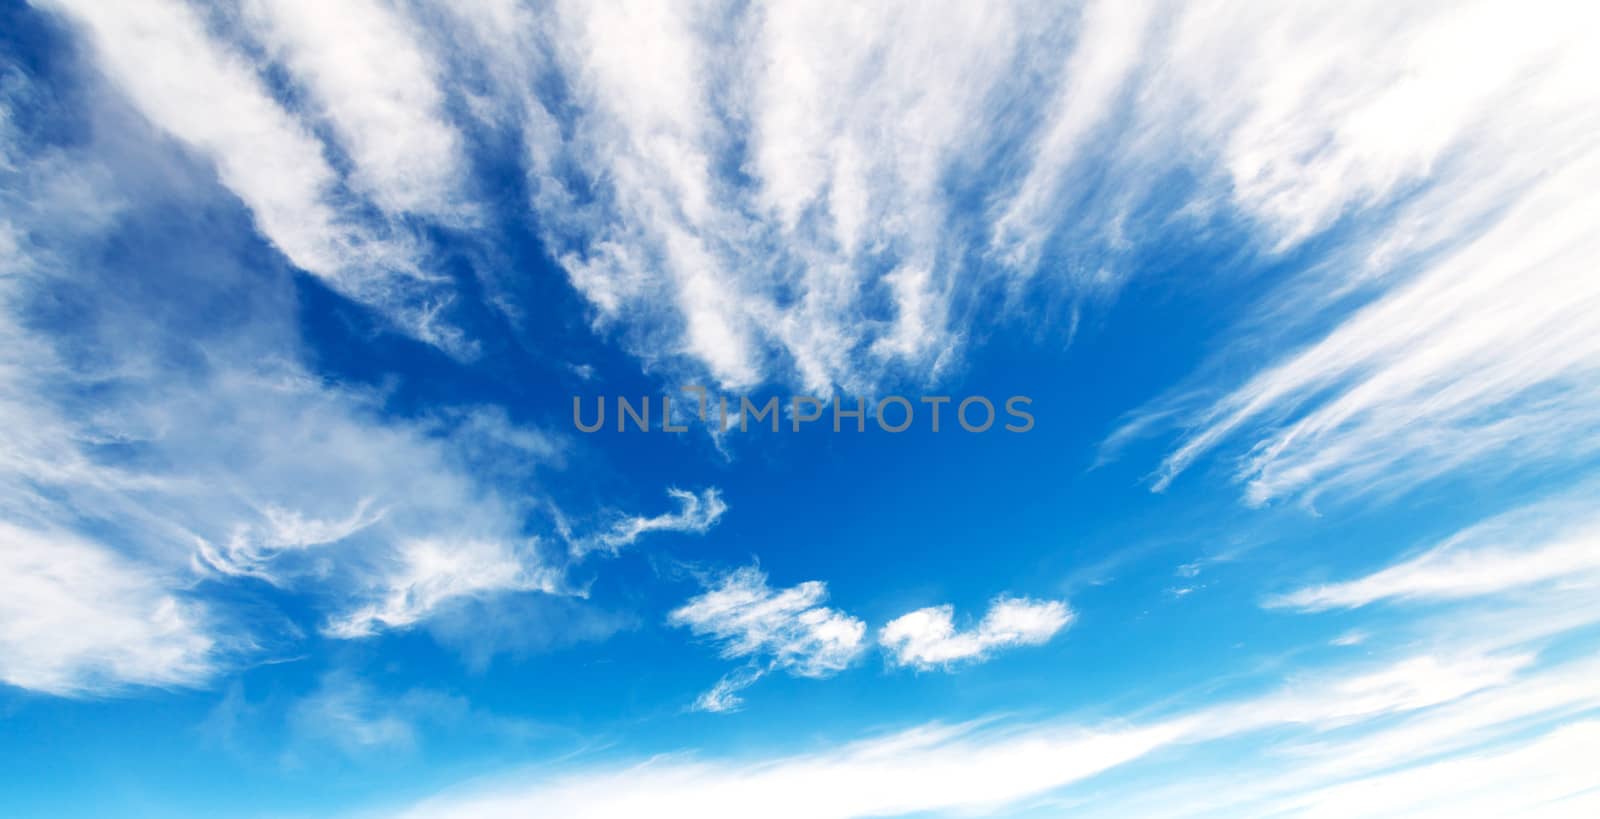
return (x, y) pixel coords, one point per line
(986, 767)
(206, 94)
(292, 296)
(1536, 779)
(927, 638)
(825, 252)
(933, 768)
(372, 78)
(1471, 253)
(773, 265)
(1554, 541)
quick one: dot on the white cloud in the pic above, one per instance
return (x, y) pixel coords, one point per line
(791, 192)
(827, 253)
(835, 246)
(1481, 699)
(782, 192)
(301, 485)
(928, 638)
(651, 137)
(776, 629)
(175, 426)
(1541, 778)
(778, 192)
(1491, 714)
(990, 767)
(370, 76)
(431, 572)
(1103, 61)
(206, 94)
(1496, 725)
(724, 696)
(696, 514)
(250, 550)
(1326, 700)
(807, 200)
(935, 768)
(1549, 542)
(1460, 155)
(77, 619)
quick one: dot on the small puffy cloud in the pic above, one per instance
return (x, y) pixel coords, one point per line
(927, 638)
(79, 620)
(775, 629)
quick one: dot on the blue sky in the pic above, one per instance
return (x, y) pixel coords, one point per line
(295, 299)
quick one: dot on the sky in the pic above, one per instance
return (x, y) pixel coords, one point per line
(1300, 516)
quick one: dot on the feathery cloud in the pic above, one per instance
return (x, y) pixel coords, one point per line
(1460, 159)
(697, 513)
(786, 630)
(430, 573)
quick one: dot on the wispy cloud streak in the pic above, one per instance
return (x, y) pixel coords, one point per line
(989, 768)
(697, 513)
(207, 94)
(1553, 542)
